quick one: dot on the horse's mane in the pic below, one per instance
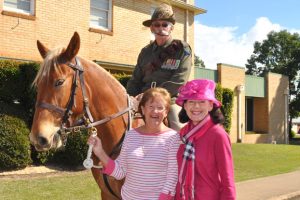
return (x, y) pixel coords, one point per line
(51, 59)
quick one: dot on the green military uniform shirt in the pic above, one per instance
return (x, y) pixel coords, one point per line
(167, 70)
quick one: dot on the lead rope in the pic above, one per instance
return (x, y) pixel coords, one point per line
(88, 162)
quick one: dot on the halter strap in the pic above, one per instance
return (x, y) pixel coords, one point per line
(67, 112)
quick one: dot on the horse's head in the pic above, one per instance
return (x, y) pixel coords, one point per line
(54, 85)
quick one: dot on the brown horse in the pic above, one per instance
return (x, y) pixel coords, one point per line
(71, 88)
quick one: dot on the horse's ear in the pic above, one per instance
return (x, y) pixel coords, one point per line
(72, 48)
(42, 49)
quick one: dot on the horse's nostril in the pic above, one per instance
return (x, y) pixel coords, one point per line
(42, 141)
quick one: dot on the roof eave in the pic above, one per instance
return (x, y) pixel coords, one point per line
(186, 6)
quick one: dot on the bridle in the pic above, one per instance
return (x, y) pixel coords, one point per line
(86, 118)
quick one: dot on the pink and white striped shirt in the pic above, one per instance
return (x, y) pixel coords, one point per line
(148, 161)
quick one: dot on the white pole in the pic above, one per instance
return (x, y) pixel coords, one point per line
(286, 114)
(240, 88)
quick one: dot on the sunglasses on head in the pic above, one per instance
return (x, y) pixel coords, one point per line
(163, 24)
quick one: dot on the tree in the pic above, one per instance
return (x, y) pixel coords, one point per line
(279, 53)
(198, 62)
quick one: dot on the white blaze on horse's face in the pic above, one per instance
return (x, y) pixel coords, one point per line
(53, 83)
(46, 129)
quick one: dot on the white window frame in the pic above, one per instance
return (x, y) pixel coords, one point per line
(26, 12)
(109, 19)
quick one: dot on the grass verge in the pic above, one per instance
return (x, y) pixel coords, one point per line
(80, 186)
(259, 160)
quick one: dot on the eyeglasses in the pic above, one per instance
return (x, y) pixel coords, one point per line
(164, 24)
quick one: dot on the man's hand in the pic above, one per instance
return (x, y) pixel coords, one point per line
(139, 97)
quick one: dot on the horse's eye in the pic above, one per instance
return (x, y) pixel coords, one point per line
(59, 82)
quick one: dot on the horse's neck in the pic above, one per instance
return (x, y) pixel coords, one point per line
(106, 90)
(106, 97)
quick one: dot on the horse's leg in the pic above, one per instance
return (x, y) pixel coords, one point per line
(114, 184)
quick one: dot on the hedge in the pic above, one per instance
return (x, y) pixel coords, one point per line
(225, 96)
(72, 155)
(122, 78)
(227, 106)
(9, 81)
(14, 143)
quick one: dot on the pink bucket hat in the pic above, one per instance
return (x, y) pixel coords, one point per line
(199, 89)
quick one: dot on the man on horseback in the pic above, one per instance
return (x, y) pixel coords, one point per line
(165, 62)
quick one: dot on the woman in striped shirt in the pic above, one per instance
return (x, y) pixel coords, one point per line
(148, 155)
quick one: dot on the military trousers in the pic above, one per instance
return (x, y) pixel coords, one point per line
(173, 117)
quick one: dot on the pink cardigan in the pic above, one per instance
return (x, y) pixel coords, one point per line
(214, 179)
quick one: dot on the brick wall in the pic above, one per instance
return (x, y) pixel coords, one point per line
(277, 84)
(260, 115)
(230, 77)
(55, 23)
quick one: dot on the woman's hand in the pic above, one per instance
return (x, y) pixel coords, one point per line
(97, 146)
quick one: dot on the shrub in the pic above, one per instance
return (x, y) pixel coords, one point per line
(292, 134)
(227, 96)
(27, 96)
(75, 150)
(14, 110)
(122, 78)
(218, 92)
(28, 72)
(9, 80)
(41, 157)
(72, 155)
(14, 143)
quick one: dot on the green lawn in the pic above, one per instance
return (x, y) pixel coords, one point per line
(251, 161)
(259, 160)
(80, 186)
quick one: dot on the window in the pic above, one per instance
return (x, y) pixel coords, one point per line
(249, 114)
(101, 14)
(20, 6)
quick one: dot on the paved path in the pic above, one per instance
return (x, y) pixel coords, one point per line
(31, 170)
(278, 187)
(40, 171)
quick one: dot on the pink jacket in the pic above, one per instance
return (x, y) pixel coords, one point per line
(214, 178)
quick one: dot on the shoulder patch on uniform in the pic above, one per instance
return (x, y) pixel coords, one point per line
(187, 48)
(186, 52)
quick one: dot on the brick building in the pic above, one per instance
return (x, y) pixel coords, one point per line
(111, 31)
(260, 106)
(112, 34)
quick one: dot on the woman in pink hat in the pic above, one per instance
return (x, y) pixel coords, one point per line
(205, 165)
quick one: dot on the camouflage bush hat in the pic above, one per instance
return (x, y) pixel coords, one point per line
(162, 12)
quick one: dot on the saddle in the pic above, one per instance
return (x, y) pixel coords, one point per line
(135, 107)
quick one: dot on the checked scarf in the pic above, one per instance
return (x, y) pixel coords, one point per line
(186, 175)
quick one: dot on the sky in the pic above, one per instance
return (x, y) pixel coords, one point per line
(227, 31)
